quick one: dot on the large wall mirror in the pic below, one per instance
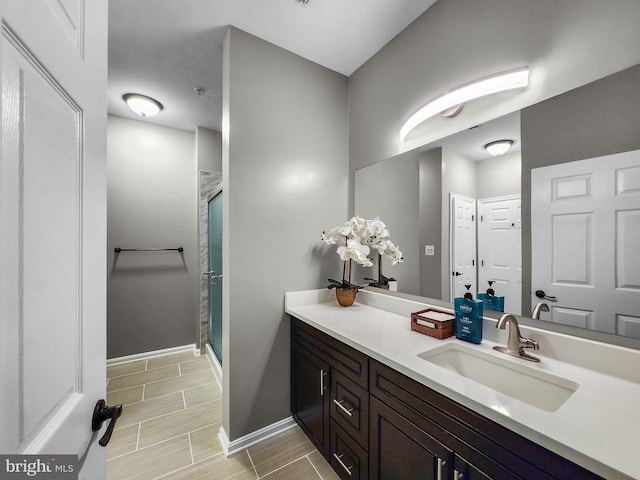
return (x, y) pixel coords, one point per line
(463, 218)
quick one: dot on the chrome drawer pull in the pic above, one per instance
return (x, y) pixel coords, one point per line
(345, 410)
(346, 469)
(457, 475)
(441, 463)
(322, 385)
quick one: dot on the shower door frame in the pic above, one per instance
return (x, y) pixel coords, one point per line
(214, 281)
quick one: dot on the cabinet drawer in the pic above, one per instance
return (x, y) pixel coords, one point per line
(348, 459)
(347, 360)
(465, 471)
(350, 408)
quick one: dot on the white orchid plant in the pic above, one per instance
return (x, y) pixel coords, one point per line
(354, 238)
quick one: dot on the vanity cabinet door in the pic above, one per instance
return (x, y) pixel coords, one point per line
(309, 396)
(399, 450)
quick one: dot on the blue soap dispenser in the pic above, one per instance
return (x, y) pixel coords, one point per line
(491, 300)
(468, 314)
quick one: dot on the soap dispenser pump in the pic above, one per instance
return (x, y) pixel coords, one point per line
(490, 290)
(468, 295)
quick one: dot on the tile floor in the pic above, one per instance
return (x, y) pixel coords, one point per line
(170, 422)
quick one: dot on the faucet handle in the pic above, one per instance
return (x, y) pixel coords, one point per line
(528, 343)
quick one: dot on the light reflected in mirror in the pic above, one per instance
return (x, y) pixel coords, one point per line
(420, 194)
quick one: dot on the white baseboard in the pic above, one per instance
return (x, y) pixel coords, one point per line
(215, 365)
(242, 443)
(155, 353)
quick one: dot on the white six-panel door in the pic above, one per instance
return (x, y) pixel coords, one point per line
(463, 245)
(53, 227)
(500, 249)
(585, 236)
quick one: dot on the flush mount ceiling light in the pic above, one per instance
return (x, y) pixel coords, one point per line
(499, 147)
(451, 103)
(142, 105)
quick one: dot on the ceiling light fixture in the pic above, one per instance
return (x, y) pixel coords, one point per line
(142, 105)
(499, 147)
(451, 103)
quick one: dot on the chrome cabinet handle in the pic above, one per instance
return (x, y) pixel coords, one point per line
(323, 387)
(102, 413)
(339, 459)
(457, 475)
(345, 410)
(441, 463)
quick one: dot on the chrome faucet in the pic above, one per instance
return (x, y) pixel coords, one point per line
(516, 343)
(540, 307)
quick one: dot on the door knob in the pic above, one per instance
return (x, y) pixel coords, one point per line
(101, 413)
(541, 294)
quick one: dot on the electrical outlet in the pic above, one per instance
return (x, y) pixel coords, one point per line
(429, 250)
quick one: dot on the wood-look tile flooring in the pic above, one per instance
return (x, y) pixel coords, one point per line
(170, 422)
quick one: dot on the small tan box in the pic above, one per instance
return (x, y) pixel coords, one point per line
(433, 322)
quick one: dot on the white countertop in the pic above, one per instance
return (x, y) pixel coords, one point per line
(598, 427)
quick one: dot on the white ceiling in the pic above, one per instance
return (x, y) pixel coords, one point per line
(470, 143)
(166, 48)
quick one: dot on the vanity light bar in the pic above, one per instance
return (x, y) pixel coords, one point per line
(494, 83)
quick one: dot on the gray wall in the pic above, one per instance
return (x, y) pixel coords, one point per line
(430, 220)
(457, 40)
(209, 149)
(390, 191)
(152, 298)
(285, 176)
(601, 118)
(499, 176)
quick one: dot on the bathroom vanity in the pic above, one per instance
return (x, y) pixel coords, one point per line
(382, 401)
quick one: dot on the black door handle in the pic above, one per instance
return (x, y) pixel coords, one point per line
(541, 294)
(101, 413)
(456, 274)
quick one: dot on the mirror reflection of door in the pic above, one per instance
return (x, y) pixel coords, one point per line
(500, 249)
(463, 245)
(215, 279)
(585, 220)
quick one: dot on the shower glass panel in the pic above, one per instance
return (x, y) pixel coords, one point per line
(215, 280)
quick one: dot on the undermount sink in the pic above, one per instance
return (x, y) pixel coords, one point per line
(522, 382)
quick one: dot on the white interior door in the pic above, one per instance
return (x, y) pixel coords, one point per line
(53, 234)
(585, 235)
(463, 245)
(500, 249)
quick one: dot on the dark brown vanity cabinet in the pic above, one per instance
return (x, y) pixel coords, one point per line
(370, 421)
(330, 398)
